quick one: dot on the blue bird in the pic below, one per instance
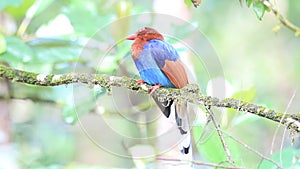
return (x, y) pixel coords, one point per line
(158, 64)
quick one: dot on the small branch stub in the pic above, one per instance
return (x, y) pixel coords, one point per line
(196, 3)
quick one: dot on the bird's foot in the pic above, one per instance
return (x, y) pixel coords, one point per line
(153, 88)
(139, 82)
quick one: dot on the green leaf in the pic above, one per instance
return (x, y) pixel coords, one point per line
(243, 119)
(42, 55)
(249, 2)
(20, 10)
(288, 155)
(3, 46)
(45, 12)
(36, 92)
(188, 3)
(55, 50)
(7, 3)
(89, 11)
(43, 5)
(267, 8)
(211, 149)
(17, 53)
(70, 115)
(259, 9)
(245, 95)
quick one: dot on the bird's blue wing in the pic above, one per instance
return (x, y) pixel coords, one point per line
(167, 59)
(161, 51)
(149, 65)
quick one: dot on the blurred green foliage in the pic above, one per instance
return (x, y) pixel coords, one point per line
(66, 36)
(258, 7)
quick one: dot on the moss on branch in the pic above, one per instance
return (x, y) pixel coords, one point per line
(190, 93)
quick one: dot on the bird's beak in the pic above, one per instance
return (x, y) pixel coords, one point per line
(131, 37)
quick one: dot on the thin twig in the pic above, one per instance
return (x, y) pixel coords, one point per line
(281, 120)
(277, 129)
(282, 19)
(198, 163)
(295, 159)
(254, 151)
(277, 14)
(281, 146)
(225, 147)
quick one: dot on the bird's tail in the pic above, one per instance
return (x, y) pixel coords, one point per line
(183, 115)
(183, 123)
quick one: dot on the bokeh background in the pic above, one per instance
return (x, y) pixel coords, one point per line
(257, 60)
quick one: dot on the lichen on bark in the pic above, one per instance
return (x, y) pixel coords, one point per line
(191, 93)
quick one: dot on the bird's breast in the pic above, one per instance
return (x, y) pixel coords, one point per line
(137, 48)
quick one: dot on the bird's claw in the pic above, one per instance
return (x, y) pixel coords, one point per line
(139, 82)
(153, 88)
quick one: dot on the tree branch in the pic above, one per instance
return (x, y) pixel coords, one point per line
(282, 19)
(190, 93)
(254, 151)
(199, 163)
(220, 133)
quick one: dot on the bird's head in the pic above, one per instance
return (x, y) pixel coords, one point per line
(146, 34)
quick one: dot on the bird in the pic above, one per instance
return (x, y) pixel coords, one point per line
(159, 65)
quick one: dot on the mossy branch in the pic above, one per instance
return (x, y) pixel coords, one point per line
(190, 93)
